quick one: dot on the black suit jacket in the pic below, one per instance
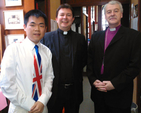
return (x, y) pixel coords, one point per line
(79, 44)
(122, 62)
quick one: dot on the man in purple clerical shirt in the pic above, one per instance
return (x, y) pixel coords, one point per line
(114, 60)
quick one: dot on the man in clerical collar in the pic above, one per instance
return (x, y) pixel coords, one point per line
(114, 60)
(69, 50)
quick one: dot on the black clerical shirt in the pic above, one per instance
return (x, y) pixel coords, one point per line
(66, 51)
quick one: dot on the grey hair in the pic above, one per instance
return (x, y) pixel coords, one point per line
(113, 2)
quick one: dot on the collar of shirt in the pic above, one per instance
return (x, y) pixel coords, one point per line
(114, 30)
(31, 44)
(64, 32)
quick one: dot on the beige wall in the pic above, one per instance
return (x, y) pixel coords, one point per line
(54, 4)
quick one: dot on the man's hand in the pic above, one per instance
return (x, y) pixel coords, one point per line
(108, 85)
(38, 107)
(100, 86)
(103, 86)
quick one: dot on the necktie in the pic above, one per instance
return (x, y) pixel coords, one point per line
(37, 76)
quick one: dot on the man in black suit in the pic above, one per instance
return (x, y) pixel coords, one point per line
(114, 60)
(69, 57)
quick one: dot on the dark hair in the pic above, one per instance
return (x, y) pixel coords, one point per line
(67, 6)
(36, 13)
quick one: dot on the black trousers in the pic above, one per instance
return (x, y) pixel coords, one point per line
(101, 107)
(65, 100)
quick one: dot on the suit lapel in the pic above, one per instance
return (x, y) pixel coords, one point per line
(118, 36)
(74, 46)
(102, 39)
(56, 42)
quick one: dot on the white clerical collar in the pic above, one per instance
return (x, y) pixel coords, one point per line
(112, 29)
(65, 32)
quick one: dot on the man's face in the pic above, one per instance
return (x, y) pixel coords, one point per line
(35, 28)
(64, 19)
(113, 15)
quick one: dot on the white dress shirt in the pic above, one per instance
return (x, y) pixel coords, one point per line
(17, 70)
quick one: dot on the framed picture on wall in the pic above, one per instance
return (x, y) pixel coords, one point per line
(12, 38)
(13, 3)
(13, 19)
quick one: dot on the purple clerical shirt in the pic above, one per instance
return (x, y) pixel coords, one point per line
(110, 33)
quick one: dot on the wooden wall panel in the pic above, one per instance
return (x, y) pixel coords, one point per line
(26, 6)
(122, 1)
(139, 77)
(99, 18)
(139, 15)
(78, 3)
(0, 46)
(2, 24)
(69, 1)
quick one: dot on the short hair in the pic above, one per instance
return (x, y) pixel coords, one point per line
(67, 6)
(113, 2)
(36, 13)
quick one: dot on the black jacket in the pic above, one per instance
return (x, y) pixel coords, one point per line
(79, 59)
(122, 62)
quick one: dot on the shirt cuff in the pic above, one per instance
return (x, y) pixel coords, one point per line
(29, 102)
(44, 98)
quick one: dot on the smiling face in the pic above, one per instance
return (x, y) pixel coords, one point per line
(113, 15)
(65, 19)
(35, 28)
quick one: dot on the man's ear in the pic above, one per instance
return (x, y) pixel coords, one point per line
(121, 15)
(24, 27)
(73, 19)
(56, 20)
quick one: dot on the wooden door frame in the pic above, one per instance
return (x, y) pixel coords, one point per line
(47, 12)
(139, 15)
(139, 77)
(0, 45)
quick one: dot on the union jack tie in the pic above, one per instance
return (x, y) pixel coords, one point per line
(37, 76)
